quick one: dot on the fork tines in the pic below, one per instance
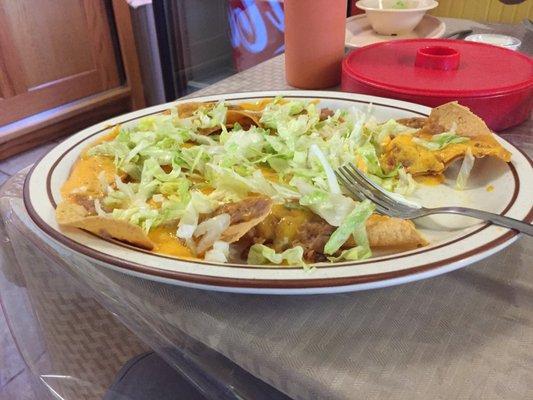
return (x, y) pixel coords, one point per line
(361, 187)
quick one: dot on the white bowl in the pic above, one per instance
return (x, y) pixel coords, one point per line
(508, 42)
(395, 17)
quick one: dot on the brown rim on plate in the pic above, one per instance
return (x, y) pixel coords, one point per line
(267, 283)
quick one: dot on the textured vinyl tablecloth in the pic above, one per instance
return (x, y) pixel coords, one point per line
(464, 335)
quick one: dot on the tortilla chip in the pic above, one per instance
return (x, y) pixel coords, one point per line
(443, 118)
(235, 114)
(209, 131)
(414, 122)
(384, 231)
(244, 118)
(186, 110)
(77, 216)
(256, 106)
(67, 213)
(244, 214)
(419, 161)
(84, 177)
(416, 159)
(467, 124)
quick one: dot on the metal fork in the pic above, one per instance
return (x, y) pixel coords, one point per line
(361, 187)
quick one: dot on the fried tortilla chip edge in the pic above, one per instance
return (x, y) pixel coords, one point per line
(69, 214)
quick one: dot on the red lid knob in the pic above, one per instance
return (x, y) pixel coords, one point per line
(437, 57)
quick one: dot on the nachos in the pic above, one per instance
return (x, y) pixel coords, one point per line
(254, 182)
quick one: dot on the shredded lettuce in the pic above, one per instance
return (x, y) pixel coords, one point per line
(210, 231)
(353, 222)
(331, 206)
(245, 144)
(130, 201)
(227, 179)
(98, 207)
(357, 126)
(219, 253)
(392, 128)
(440, 141)
(207, 117)
(198, 204)
(140, 215)
(353, 254)
(330, 175)
(368, 154)
(405, 185)
(277, 114)
(464, 172)
(260, 254)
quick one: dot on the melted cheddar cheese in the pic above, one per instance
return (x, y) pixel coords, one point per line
(166, 242)
(84, 176)
(430, 180)
(281, 226)
(418, 160)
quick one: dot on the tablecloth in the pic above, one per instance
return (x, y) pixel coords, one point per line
(464, 335)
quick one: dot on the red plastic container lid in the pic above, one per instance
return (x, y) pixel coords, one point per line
(440, 67)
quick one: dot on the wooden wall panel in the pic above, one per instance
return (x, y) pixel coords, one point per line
(59, 71)
(53, 52)
(485, 10)
(128, 50)
(50, 46)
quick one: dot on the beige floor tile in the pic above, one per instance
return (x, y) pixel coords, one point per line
(11, 363)
(19, 388)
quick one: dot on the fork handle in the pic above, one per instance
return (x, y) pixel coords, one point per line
(486, 216)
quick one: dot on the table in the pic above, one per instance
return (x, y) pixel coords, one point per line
(464, 335)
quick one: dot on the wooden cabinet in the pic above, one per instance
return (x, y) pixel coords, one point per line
(58, 53)
(53, 52)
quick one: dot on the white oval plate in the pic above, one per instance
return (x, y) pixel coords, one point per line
(455, 243)
(359, 33)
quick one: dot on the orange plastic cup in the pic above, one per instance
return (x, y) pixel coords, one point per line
(314, 42)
